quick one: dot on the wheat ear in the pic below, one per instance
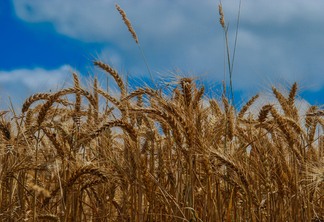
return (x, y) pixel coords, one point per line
(222, 17)
(247, 106)
(77, 106)
(114, 74)
(127, 22)
(32, 99)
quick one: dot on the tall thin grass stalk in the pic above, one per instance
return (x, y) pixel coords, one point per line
(230, 61)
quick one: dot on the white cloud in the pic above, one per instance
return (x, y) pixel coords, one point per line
(21, 83)
(18, 85)
(277, 39)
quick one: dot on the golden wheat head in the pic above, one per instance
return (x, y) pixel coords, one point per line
(127, 22)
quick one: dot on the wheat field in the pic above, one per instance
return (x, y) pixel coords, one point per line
(85, 154)
(149, 155)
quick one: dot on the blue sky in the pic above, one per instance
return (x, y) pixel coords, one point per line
(42, 42)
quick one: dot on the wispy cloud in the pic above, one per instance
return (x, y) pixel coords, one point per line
(19, 84)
